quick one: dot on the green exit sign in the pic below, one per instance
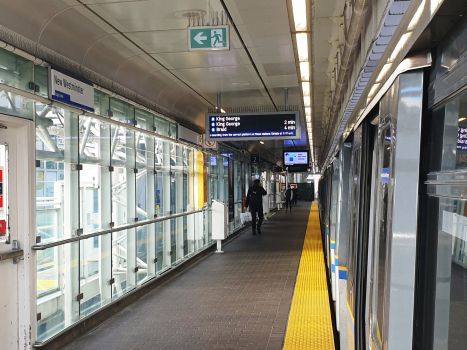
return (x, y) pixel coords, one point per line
(208, 38)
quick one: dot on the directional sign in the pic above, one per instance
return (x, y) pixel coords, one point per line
(208, 38)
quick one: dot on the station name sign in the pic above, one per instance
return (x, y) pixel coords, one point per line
(71, 91)
(253, 126)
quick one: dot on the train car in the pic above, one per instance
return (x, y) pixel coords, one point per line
(392, 207)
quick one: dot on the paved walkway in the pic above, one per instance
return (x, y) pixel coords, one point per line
(237, 300)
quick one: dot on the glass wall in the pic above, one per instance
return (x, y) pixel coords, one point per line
(95, 175)
(112, 172)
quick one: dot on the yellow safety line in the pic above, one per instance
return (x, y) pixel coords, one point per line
(310, 325)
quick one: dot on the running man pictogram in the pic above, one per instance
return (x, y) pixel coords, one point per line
(216, 38)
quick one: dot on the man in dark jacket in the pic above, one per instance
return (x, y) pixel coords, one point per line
(254, 200)
(295, 195)
(289, 194)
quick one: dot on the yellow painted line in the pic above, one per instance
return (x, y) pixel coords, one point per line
(310, 325)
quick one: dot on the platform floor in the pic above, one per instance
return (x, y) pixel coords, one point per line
(237, 300)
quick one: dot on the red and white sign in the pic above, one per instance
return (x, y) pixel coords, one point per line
(2, 188)
(2, 227)
(209, 144)
(293, 185)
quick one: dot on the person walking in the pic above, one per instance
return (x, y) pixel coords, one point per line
(254, 200)
(289, 194)
(295, 195)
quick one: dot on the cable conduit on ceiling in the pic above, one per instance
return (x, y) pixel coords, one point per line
(350, 43)
(391, 20)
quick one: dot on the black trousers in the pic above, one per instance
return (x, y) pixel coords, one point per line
(256, 210)
(287, 203)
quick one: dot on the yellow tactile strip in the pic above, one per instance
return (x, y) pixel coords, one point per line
(310, 325)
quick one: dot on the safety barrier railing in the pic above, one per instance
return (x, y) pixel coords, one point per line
(116, 229)
(79, 275)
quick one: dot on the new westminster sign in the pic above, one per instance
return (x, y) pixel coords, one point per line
(208, 38)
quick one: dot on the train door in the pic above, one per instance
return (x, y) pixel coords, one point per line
(393, 228)
(17, 222)
(360, 189)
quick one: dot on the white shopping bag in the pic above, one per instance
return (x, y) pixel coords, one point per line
(245, 217)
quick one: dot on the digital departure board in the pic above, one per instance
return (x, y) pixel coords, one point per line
(252, 126)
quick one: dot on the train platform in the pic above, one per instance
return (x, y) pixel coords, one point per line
(266, 291)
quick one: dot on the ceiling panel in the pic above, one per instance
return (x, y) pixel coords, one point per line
(107, 55)
(240, 73)
(275, 54)
(135, 70)
(12, 15)
(202, 59)
(60, 34)
(152, 15)
(267, 34)
(163, 41)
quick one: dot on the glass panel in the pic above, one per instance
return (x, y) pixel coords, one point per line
(101, 103)
(161, 126)
(15, 71)
(199, 230)
(185, 237)
(95, 273)
(173, 241)
(123, 175)
(173, 131)
(41, 78)
(15, 105)
(191, 233)
(122, 111)
(162, 166)
(123, 209)
(159, 246)
(144, 119)
(57, 289)
(95, 186)
(123, 262)
(451, 275)
(57, 191)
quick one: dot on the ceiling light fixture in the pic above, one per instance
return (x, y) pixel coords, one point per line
(299, 15)
(462, 119)
(307, 101)
(240, 83)
(302, 46)
(306, 88)
(304, 71)
(261, 142)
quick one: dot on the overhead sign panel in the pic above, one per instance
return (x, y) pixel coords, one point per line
(208, 38)
(295, 158)
(71, 91)
(252, 126)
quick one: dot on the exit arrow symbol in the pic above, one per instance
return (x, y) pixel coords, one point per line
(199, 38)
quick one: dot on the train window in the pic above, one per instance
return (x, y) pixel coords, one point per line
(455, 133)
(451, 275)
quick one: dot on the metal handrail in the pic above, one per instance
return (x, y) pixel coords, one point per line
(117, 229)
